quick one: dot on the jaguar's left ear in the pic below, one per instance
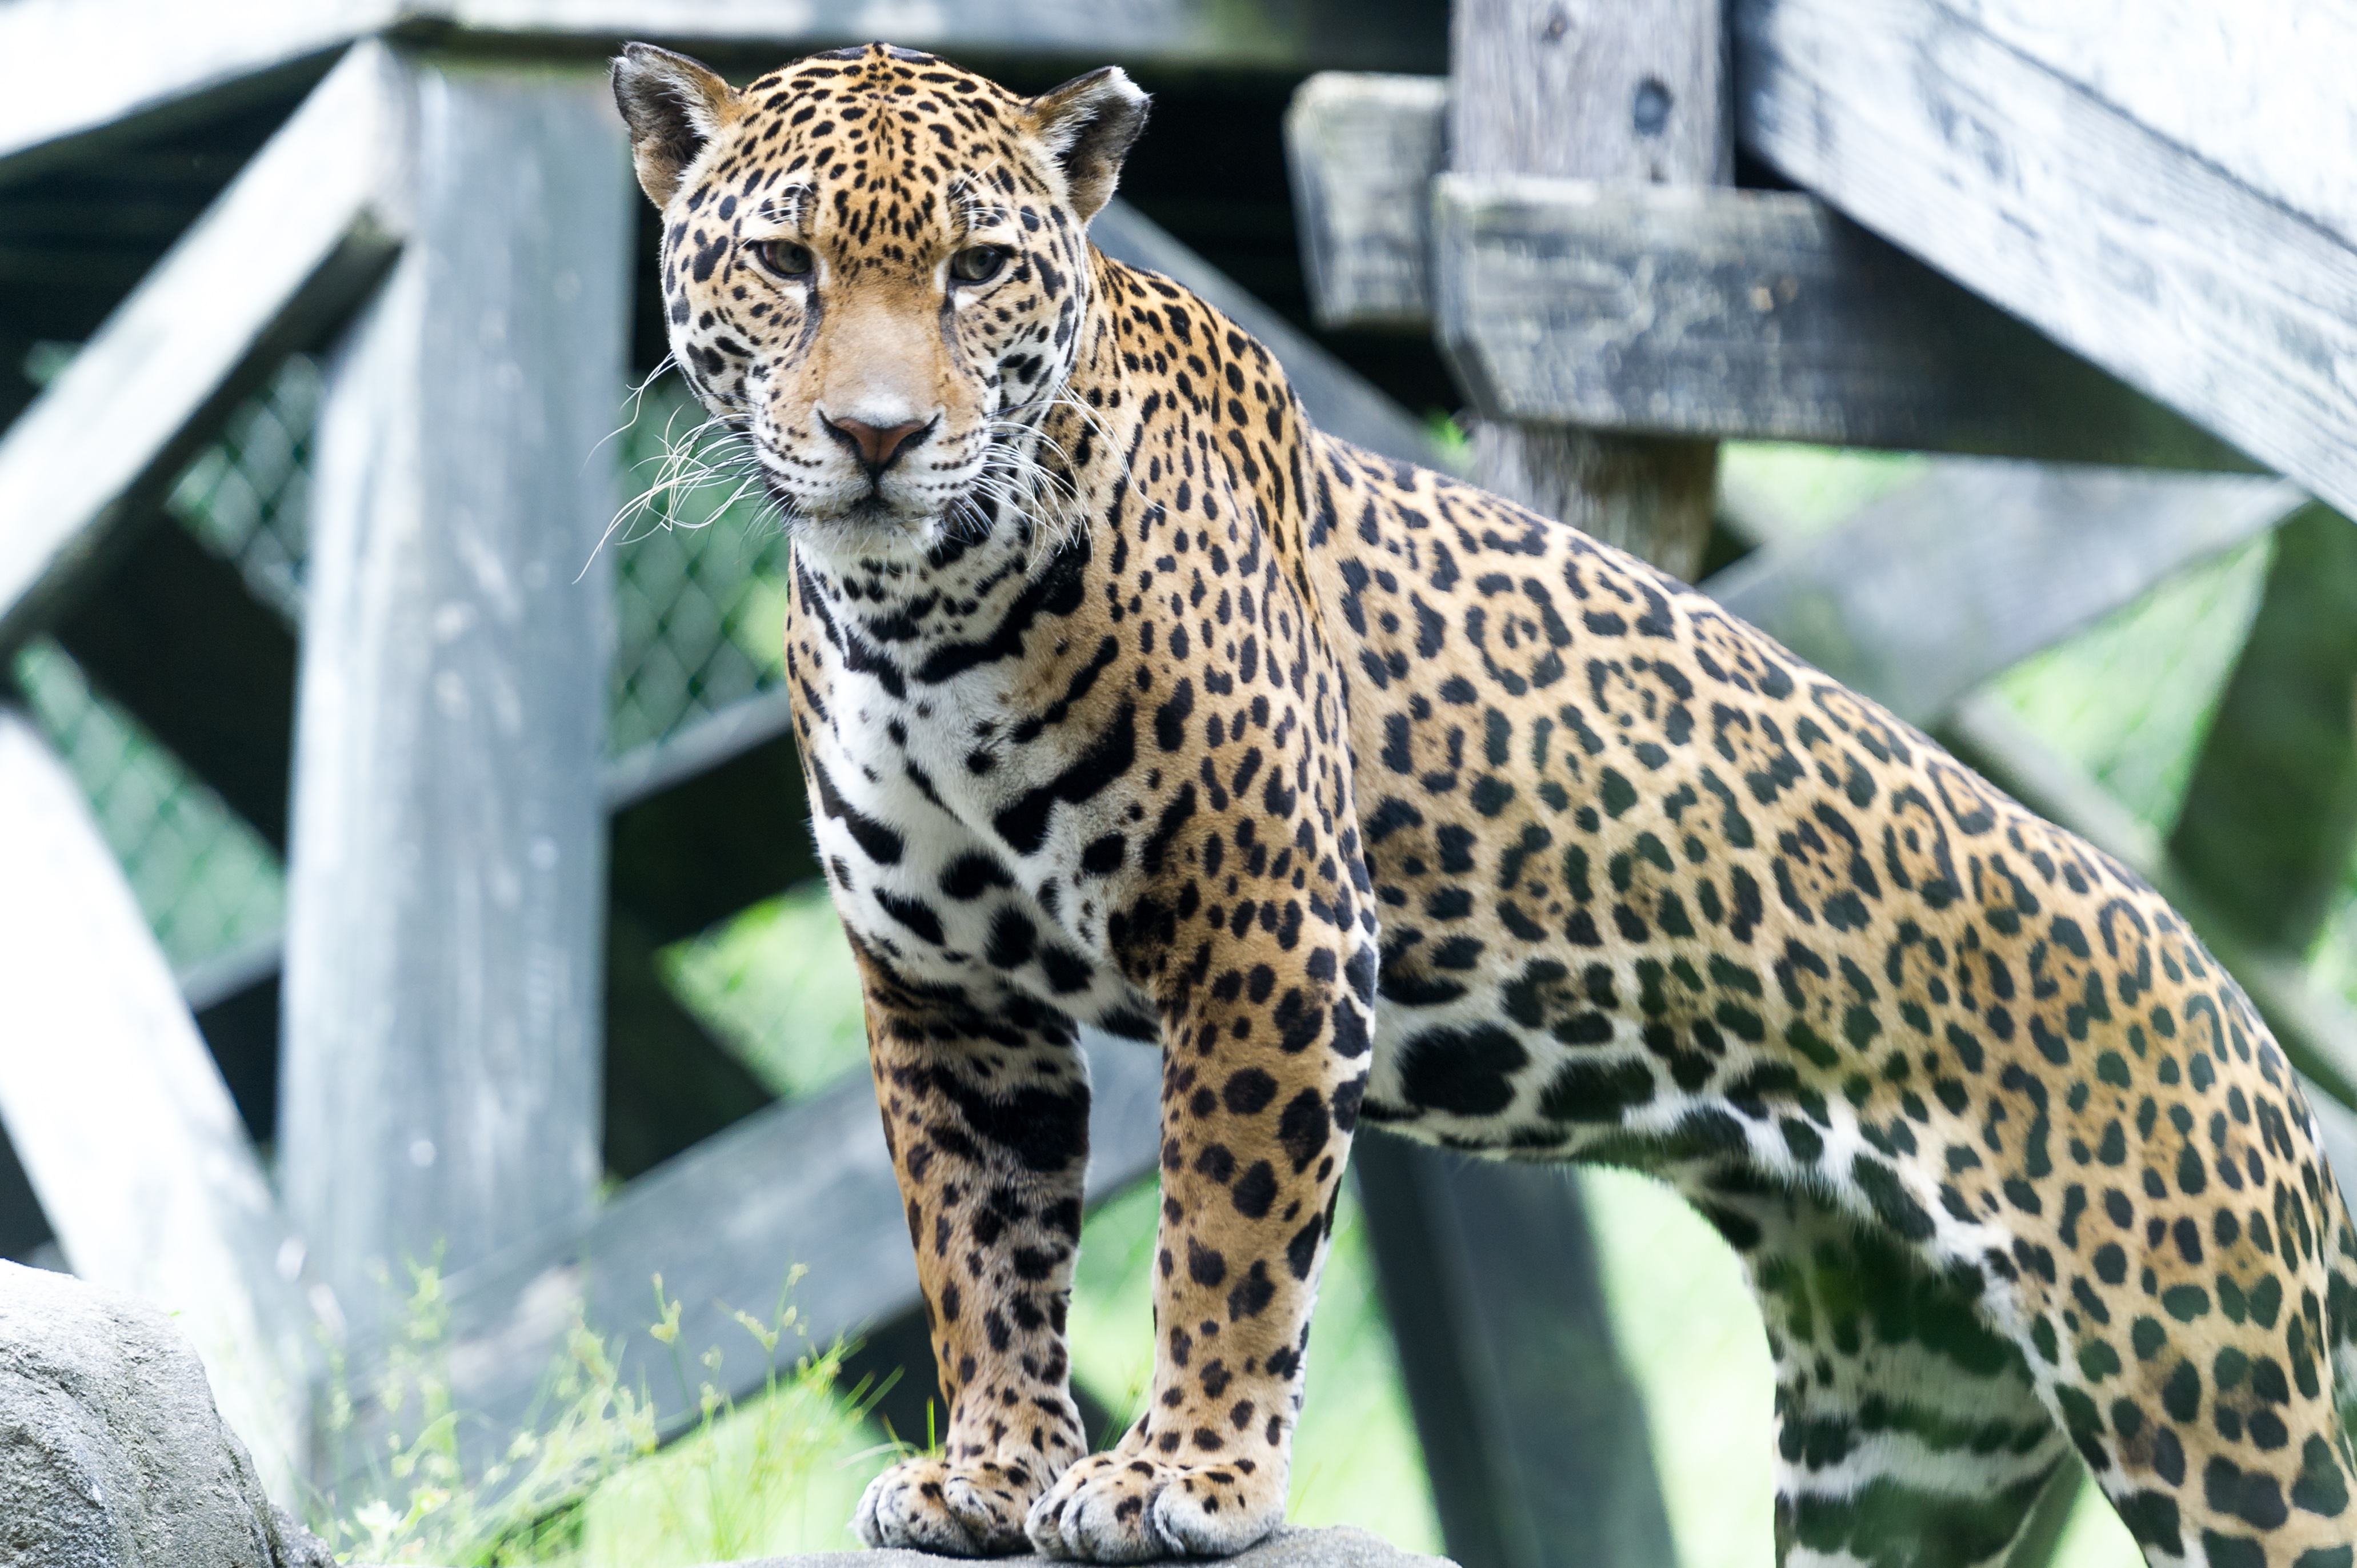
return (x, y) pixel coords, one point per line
(1088, 123)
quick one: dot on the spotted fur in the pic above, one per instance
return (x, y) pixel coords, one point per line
(1128, 698)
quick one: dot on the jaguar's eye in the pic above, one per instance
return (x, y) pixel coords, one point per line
(978, 264)
(784, 257)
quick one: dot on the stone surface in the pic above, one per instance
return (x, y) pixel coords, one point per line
(1338, 1546)
(112, 1454)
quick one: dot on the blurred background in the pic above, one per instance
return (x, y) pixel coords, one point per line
(729, 997)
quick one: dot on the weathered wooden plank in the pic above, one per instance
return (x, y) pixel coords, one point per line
(120, 1121)
(98, 71)
(2115, 242)
(290, 244)
(2255, 87)
(1337, 399)
(2270, 814)
(1370, 34)
(445, 892)
(1643, 306)
(168, 63)
(1921, 597)
(1490, 1278)
(808, 1183)
(1362, 151)
(1759, 316)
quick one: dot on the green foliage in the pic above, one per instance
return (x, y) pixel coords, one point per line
(581, 1483)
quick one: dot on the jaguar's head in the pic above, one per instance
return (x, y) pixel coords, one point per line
(875, 264)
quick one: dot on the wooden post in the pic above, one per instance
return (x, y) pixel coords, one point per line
(447, 887)
(1629, 91)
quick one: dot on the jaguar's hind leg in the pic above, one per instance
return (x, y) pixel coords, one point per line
(1910, 1434)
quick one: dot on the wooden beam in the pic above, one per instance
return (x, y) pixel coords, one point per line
(1361, 152)
(1921, 597)
(2270, 815)
(2118, 244)
(96, 73)
(1337, 399)
(445, 890)
(2255, 87)
(1746, 315)
(1535, 1440)
(120, 1121)
(287, 247)
(808, 1183)
(1758, 316)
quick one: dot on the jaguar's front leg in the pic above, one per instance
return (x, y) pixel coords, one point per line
(1265, 1061)
(987, 1115)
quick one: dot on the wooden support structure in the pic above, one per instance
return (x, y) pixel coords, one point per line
(289, 247)
(439, 1095)
(168, 63)
(160, 1194)
(2034, 192)
(1757, 316)
(1921, 597)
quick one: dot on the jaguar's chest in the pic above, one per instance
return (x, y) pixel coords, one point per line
(954, 811)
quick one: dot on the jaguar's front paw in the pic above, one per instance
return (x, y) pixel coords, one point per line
(1118, 1507)
(959, 1510)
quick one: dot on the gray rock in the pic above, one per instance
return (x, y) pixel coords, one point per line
(1336, 1546)
(112, 1454)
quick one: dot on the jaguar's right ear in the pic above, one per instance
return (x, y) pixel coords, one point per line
(674, 105)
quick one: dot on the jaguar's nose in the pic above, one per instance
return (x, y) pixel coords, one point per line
(877, 446)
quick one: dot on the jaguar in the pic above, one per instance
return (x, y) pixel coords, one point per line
(1127, 698)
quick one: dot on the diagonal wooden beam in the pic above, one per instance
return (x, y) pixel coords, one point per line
(1918, 597)
(120, 1121)
(289, 246)
(2255, 87)
(168, 63)
(2014, 179)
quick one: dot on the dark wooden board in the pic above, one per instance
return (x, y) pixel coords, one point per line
(445, 889)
